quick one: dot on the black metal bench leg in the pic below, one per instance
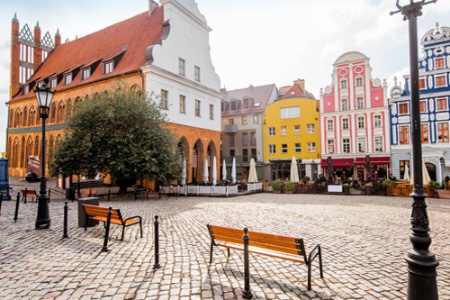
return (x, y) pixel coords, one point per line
(123, 232)
(211, 252)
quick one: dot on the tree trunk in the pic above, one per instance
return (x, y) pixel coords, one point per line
(123, 187)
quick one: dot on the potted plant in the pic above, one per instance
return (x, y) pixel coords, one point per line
(276, 186)
(389, 186)
(289, 187)
(447, 182)
(306, 179)
(368, 186)
(346, 188)
(434, 188)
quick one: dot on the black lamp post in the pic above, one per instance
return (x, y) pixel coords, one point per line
(421, 262)
(442, 161)
(44, 97)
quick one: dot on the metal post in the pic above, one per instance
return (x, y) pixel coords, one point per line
(43, 215)
(156, 265)
(108, 224)
(421, 262)
(66, 210)
(246, 293)
(25, 196)
(1, 202)
(16, 213)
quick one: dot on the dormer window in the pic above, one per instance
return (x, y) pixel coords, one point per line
(26, 89)
(53, 82)
(68, 78)
(85, 73)
(108, 67)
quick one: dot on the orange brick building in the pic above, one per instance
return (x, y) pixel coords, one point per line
(93, 64)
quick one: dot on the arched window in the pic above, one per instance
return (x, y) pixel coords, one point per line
(53, 113)
(15, 153)
(32, 116)
(28, 150)
(22, 153)
(36, 147)
(25, 116)
(61, 111)
(17, 118)
(69, 108)
(51, 149)
(11, 118)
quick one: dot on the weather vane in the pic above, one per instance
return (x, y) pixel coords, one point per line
(412, 9)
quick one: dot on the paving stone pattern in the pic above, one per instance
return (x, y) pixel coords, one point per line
(364, 240)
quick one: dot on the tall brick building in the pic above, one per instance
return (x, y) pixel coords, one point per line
(146, 51)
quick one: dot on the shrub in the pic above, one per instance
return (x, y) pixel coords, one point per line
(276, 185)
(289, 186)
(387, 182)
(306, 178)
(447, 178)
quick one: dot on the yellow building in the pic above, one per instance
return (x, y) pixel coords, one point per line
(291, 129)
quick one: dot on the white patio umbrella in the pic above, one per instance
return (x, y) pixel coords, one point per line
(425, 176)
(205, 172)
(233, 170)
(406, 175)
(294, 170)
(252, 176)
(214, 171)
(183, 174)
(224, 170)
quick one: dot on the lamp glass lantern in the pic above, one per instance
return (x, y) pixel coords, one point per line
(44, 97)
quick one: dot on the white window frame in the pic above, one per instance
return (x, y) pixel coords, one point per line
(345, 123)
(272, 149)
(377, 121)
(330, 125)
(271, 131)
(362, 145)
(310, 129)
(164, 101)
(198, 108)
(181, 67)
(298, 147)
(311, 147)
(378, 144)
(330, 146)
(361, 123)
(346, 145)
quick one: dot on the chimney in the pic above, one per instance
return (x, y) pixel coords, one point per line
(37, 47)
(152, 5)
(57, 38)
(301, 83)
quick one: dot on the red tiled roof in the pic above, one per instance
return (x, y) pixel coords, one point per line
(297, 91)
(134, 35)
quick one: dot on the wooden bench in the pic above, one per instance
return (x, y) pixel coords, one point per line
(26, 192)
(100, 213)
(278, 246)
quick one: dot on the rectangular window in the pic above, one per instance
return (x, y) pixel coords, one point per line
(346, 145)
(244, 120)
(377, 121)
(197, 108)
(442, 131)
(330, 125)
(330, 146)
(403, 135)
(403, 109)
(272, 149)
(441, 104)
(231, 121)
(422, 84)
(298, 147)
(311, 147)
(345, 124)
(359, 82)
(53, 82)
(296, 129)
(271, 131)
(290, 112)
(344, 103)
(182, 104)
(361, 123)
(310, 128)
(362, 145)
(244, 139)
(255, 119)
(253, 138)
(85, 73)
(164, 104)
(378, 144)
(439, 63)
(211, 112)
(68, 78)
(232, 153)
(423, 106)
(181, 67)
(233, 105)
(284, 148)
(245, 155)
(283, 131)
(108, 67)
(246, 103)
(425, 134)
(197, 74)
(343, 84)
(441, 81)
(231, 140)
(359, 102)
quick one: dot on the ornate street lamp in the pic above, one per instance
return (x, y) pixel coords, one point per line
(44, 98)
(421, 262)
(442, 161)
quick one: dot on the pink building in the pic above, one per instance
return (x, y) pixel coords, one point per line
(355, 121)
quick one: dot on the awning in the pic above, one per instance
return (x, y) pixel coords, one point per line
(349, 162)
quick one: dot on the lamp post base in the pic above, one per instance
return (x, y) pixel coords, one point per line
(421, 276)
(43, 216)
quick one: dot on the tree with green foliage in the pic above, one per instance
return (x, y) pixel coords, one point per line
(121, 133)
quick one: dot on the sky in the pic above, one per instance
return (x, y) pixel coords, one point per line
(254, 42)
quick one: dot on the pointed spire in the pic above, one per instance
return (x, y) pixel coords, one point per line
(15, 17)
(37, 25)
(57, 32)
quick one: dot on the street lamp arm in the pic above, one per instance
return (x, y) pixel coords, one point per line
(413, 9)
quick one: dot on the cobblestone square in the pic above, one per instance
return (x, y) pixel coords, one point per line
(364, 240)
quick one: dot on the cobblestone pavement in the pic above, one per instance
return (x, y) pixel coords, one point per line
(364, 240)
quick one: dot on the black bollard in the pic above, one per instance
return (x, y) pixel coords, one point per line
(108, 224)
(66, 210)
(16, 213)
(49, 194)
(1, 202)
(247, 293)
(25, 196)
(156, 265)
